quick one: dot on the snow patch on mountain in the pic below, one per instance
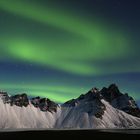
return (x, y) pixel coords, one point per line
(25, 117)
(75, 117)
(97, 109)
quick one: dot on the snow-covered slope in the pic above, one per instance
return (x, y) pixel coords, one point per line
(76, 117)
(12, 117)
(95, 109)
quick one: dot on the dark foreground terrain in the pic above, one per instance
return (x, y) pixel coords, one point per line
(71, 134)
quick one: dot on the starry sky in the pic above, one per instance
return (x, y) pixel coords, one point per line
(60, 48)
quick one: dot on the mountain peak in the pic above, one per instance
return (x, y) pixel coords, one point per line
(89, 96)
(112, 95)
(44, 104)
(111, 92)
(105, 108)
(113, 88)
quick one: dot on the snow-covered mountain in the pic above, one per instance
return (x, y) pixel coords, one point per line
(106, 108)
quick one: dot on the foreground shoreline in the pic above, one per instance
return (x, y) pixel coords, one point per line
(71, 134)
(123, 131)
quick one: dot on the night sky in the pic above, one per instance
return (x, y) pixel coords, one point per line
(62, 48)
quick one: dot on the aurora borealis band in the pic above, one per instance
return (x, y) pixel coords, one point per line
(60, 49)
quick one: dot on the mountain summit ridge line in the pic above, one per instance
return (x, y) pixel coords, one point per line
(105, 108)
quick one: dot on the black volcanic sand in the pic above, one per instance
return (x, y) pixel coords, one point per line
(70, 134)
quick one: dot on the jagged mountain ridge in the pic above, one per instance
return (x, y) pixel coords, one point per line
(21, 100)
(112, 95)
(105, 108)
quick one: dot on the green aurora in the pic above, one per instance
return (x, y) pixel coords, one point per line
(49, 36)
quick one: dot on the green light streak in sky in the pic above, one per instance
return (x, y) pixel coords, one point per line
(95, 41)
(57, 93)
(55, 17)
